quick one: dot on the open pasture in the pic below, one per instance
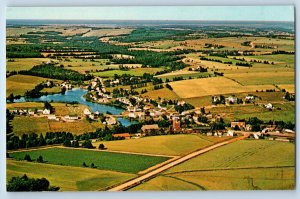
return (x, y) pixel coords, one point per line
(66, 177)
(128, 163)
(162, 145)
(212, 86)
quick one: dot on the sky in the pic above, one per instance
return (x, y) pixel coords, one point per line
(237, 13)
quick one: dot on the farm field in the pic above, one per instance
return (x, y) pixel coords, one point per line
(163, 93)
(281, 112)
(23, 63)
(128, 163)
(42, 125)
(136, 72)
(162, 145)
(86, 179)
(212, 86)
(19, 84)
(107, 32)
(263, 78)
(233, 166)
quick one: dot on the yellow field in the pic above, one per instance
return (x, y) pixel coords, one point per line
(24, 105)
(19, 84)
(66, 177)
(212, 86)
(288, 87)
(180, 72)
(107, 32)
(23, 63)
(162, 93)
(162, 145)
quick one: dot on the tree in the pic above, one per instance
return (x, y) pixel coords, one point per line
(40, 159)
(93, 165)
(101, 146)
(87, 144)
(11, 98)
(84, 164)
(63, 90)
(29, 184)
(27, 158)
(67, 143)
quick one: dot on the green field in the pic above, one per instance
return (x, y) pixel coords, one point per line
(282, 111)
(136, 72)
(246, 164)
(163, 145)
(128, 163)
(66, 177)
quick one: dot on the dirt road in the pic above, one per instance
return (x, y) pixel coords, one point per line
(153, 173)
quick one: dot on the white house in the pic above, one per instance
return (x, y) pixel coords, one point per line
(86, 111)
(230, 133)
(269, 106)
(46, 111)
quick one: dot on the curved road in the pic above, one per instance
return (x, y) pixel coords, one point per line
(153, 173)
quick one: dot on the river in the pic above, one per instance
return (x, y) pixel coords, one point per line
(77, 95)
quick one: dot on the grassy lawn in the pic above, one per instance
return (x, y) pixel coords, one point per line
(128, 163)
(19, 84)
(163, 145)
(66, 177)
(237, 166)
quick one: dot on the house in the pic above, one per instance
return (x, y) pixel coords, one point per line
(150, 127)
(46, 111)
(269, 106)
(122, 135)
(231, 99)
(249, 97)
(241, 124)
(86, 111)
(230, 133)
(216, 99)
(111, 120)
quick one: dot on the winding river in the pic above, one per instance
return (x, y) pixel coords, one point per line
(77, 95)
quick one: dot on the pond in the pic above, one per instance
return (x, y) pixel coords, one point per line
(77, 95)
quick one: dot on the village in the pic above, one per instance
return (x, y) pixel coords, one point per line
(170, 117)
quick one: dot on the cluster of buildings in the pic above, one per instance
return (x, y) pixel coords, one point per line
(98, 91)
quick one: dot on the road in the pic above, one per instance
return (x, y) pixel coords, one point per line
(153, 173)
